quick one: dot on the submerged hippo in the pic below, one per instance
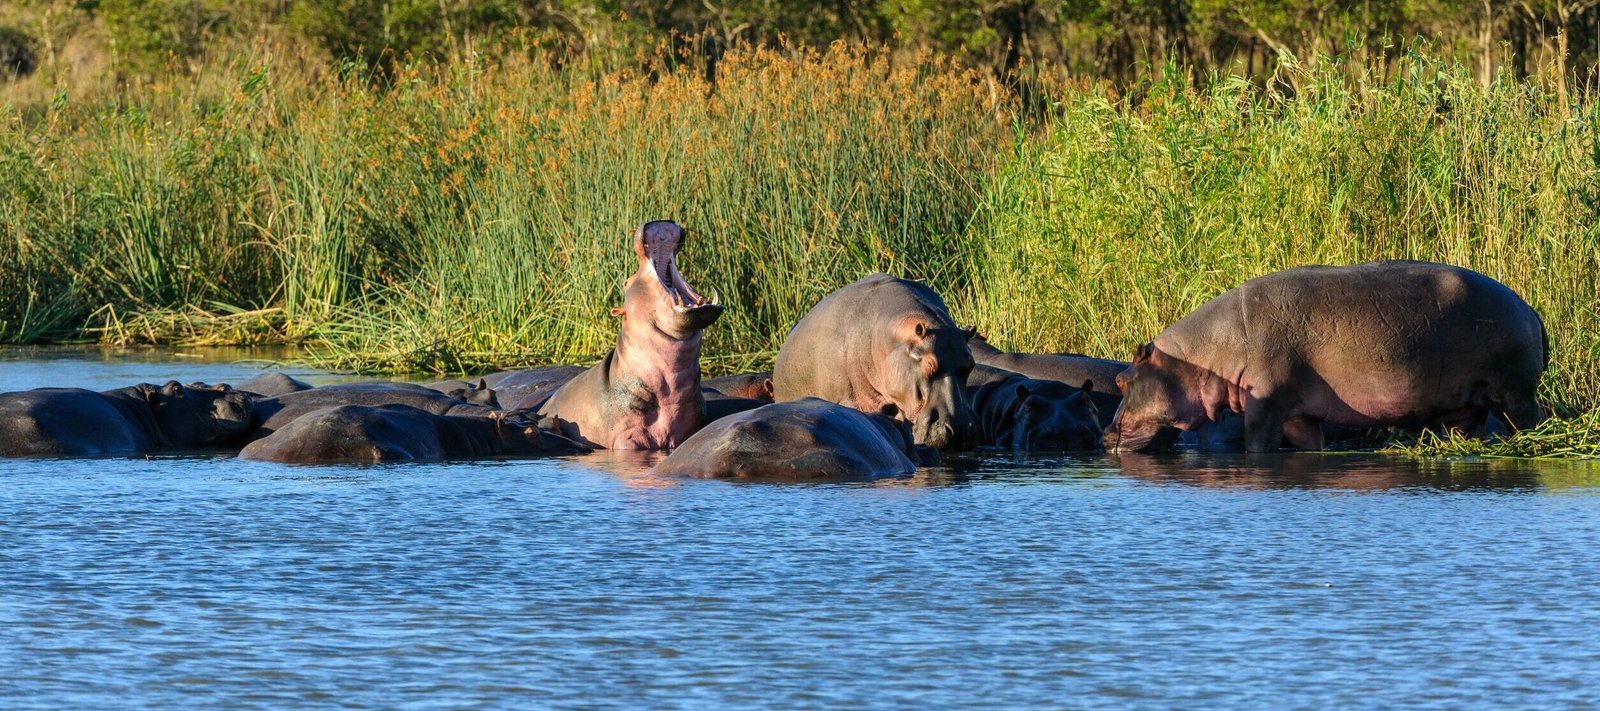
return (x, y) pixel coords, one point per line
(645, 394)
(1060, 367)
(1396, 343)
(528, 389)
(884, 345)
(755, 386)
(275, 413)
(271, 384)
(478, 393)
(807, 438)
(1025, 414)
(132, 420)
(400, 433)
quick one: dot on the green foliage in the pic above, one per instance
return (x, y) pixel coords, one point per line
(145, 33)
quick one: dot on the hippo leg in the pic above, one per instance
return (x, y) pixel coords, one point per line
(1521, 413)
(1303, 433)
(1263, 425)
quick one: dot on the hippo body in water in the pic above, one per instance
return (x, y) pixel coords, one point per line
(1397, 343)
(275, 413)
(1060, 367)
(645, 394)
(132, 420)
(884, 345)
(528, 389)
(1025, 414)
(400, 433)
(805, 439)
(271, 384)
(754, 386)
(478, 393)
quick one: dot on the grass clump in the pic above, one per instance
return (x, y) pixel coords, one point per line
(1555, 438)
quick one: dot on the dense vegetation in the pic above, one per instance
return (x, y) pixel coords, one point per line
(419, 214)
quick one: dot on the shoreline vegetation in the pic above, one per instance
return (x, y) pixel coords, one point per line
(469, 215)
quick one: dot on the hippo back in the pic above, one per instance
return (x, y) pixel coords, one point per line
(273, 413)
(806, 439)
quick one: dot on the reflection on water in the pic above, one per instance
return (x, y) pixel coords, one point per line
(1186, 580)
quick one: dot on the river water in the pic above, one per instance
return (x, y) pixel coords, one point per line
(1296, 580)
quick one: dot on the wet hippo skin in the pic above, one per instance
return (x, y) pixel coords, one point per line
(132, 420)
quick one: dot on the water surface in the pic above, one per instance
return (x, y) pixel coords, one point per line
(1307, 580)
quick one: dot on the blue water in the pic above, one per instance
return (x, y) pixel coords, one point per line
(1265, 582)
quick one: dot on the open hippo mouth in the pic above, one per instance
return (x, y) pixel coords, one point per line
(657, 244)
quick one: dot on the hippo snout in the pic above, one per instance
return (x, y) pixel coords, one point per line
(947, 434)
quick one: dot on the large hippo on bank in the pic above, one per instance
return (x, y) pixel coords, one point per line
(1025, 414)
(1396, 343)
(808, 438)
(645, 394)
(132, 420)
(884, 345)
(275, 413)
(400, 433)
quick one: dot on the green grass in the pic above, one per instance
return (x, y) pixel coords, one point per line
(476, 215)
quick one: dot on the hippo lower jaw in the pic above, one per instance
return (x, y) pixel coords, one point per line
(1156, 440)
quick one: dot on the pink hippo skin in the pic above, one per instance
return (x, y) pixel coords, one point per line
(645, 394)
(1398, 343)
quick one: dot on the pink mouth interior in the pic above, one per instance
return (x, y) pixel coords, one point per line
(661, 245)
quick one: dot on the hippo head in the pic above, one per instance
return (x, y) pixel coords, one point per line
(1052, 416)
(199, 415)
(1158, 403)
(925, 383)
(521, 433)
(478, 393)
(657, 297)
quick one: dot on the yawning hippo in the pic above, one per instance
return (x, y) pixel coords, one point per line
(133, 420)
(1025, 414)
(399, 433)
(275, 413)
(755, 386)
(645, 394)
(1395, 343)
(884, 345)
(801, 439)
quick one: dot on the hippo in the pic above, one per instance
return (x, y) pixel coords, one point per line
(1025, 414)
(645, 394)
(400, 433)
(1393, 343)
(1060, 367)
(719, 405)
(274, 413)
(478, 393)
(884, 345)
(528, 389)
(271, 384)
(805, 439)
(134, 420)
(755, 386)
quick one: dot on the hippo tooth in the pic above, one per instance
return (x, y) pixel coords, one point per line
(716, 299)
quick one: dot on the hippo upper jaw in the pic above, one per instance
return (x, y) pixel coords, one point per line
(680, 311)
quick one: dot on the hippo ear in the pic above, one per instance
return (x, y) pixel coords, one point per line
(922, 329)
(972, 332)
(482, 385)
(173, 388)
(1142, 352)
(1022, 391)
(617, 311)
(1088, 386)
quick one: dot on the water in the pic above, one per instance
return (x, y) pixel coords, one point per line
(1287, 581)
